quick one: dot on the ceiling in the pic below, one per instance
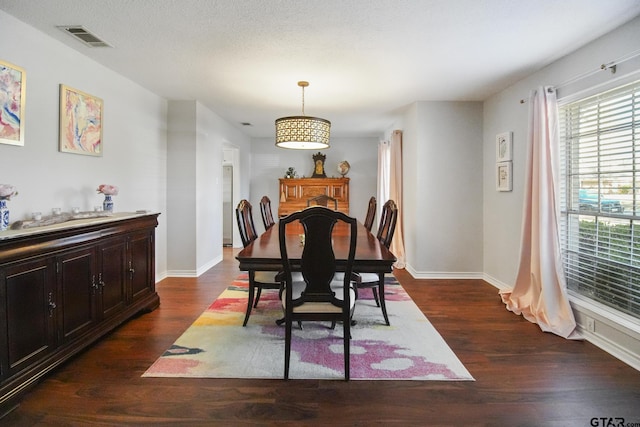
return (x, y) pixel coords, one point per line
(365, 59)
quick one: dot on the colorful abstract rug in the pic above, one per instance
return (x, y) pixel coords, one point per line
(217, 346)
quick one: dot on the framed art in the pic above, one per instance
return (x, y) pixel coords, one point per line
(503, 176)
(504, 145)
(13, 88)
(80, 122)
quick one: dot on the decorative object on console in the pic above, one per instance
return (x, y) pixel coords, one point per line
(108, 191)
(13, 89)
(343, 167)
(290, 173)
(80, 122)
(302, 132)
(6, 192)
(318, 168)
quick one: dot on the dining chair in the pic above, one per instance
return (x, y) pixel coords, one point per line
(371, 213)
(316, 295)
(323, 200)
(265, 211)
(258, 280)
(375, 281)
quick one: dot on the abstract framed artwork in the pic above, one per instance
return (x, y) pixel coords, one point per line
(80, 122)
(504, 145)
(503, 176)
(13, 89)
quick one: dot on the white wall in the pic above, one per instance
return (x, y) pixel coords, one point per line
(503, 211)
(195, 145)
(137, 157)
(134, 135)
(442, 180)
(269, 163)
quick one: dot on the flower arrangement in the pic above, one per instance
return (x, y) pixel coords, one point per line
(108, 190)
(7, 191)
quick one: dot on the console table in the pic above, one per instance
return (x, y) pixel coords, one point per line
(64, 286)
(294, 193)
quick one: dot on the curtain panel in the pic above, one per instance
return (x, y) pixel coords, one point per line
(540, 291)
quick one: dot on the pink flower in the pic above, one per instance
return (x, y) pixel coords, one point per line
(6, 191)
(110, 190)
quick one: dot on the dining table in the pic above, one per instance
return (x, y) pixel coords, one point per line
(263, 253)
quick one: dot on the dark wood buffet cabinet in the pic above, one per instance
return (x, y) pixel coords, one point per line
(64, 287)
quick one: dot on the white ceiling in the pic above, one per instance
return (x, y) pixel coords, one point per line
(365, 59)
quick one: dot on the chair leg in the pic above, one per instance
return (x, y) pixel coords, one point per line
(375, 296)
(255, 304)
(250, 301)
(346, 332)
(382, 303)
(287, 348)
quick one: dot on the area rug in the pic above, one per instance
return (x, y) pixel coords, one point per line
(217, 346)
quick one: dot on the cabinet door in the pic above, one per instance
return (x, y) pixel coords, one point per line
(141, 267)
(27, 315)
(77, 286)
(112, 275)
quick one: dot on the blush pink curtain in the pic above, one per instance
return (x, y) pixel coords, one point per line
(540, 292)
(395, 194)
(390, 187)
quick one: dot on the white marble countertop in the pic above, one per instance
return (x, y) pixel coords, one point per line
(72, 222)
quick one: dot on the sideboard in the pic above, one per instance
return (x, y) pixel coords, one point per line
(294, 193)
(63, 287)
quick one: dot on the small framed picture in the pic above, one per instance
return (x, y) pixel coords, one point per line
(13, 88)
(503, 176)
(504, 145)
(80, 122)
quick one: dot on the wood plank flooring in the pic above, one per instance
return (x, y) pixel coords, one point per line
(524, 377)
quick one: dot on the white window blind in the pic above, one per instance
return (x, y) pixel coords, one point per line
(600, 197)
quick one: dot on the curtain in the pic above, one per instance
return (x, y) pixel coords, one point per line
(540, 291)
(384, 164)
(390, 187)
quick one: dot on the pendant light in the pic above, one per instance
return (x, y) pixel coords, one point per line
(302, 132)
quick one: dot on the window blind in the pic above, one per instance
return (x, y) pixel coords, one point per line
(600, 197)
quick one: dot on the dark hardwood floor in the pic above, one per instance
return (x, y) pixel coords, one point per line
(524, 377)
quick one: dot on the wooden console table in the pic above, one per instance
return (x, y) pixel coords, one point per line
(294, 193)
(64, 286)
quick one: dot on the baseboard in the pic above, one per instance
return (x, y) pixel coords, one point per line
(194, 273)
(442, 274)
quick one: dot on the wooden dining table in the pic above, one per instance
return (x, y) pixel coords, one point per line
(264, 253)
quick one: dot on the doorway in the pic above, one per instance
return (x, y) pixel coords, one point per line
(227, 205)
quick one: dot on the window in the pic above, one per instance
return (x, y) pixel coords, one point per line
(600, 197)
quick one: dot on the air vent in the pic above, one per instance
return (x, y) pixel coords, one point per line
(84, 36)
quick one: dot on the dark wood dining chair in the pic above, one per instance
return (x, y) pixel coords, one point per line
(375, 281)
(316, 295)
(265, 211)
(323, 200)
(371, 213)
(258, 280)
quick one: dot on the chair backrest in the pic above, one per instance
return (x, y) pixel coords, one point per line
(246, 226)
(323, 200)
(265, 211)
(371, 213)
(388, 220)
(318, 261)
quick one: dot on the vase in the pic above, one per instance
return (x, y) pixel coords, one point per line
(4, 215)
(107, 205)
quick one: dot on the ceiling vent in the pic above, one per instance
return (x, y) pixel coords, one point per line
(84, 36)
